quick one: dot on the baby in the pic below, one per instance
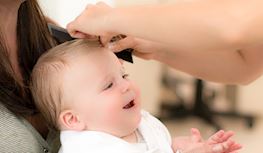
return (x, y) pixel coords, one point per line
(82, 90)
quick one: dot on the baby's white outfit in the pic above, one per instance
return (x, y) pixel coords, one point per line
(153, 137)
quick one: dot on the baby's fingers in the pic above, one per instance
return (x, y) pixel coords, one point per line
(220, 137)
(227, 135)
(227, 147)
(234, 148)
(223, 147)
(216, 137)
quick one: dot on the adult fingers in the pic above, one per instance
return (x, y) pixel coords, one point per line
(106, 38)
(122, 44)
(146, 56)
(74, 27)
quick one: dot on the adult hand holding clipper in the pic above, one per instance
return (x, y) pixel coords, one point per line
(223, 47)
(61, 35)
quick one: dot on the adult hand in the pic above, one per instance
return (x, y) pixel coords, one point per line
(142, 48)
(92, 21)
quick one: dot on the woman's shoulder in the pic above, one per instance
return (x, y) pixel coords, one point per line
(17, 136)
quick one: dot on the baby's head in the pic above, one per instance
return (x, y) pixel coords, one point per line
(81, 85)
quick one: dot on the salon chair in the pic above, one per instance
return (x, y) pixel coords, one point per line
(201, 107)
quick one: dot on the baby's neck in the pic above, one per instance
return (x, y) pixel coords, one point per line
(131, 138)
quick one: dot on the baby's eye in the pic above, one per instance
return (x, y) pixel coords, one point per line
(125, 76)
(109, 86)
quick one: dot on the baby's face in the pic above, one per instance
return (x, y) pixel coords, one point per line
(97, 89)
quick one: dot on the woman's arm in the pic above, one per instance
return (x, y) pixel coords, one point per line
(211, 39)
(198, 25)
(231, 67)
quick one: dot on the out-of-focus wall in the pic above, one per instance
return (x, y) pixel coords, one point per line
(251, 97)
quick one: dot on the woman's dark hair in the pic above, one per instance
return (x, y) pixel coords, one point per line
(33, 38)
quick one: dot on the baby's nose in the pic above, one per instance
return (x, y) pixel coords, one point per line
(124, 86)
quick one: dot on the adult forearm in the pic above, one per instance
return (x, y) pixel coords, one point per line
(229, 67)
(198, 25)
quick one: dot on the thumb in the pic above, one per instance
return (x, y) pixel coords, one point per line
(106, 38)
(71, 29)
(196, 135)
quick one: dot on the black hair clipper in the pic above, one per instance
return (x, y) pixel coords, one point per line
(61, 35)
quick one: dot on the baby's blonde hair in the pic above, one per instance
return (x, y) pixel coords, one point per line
(45, 78)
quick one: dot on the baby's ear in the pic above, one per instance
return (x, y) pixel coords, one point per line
(70, 121)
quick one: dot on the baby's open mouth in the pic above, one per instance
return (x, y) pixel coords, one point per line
(129, 105)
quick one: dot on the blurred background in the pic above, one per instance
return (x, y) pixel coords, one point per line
(179, 100)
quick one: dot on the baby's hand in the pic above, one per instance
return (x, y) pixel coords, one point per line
(218, 143)
(222, 142)
(219, 137)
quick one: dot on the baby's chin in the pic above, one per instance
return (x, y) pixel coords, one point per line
(132, 126)
(136, 123)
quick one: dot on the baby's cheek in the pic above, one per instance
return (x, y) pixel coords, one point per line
(136, 88)
(113, 113)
